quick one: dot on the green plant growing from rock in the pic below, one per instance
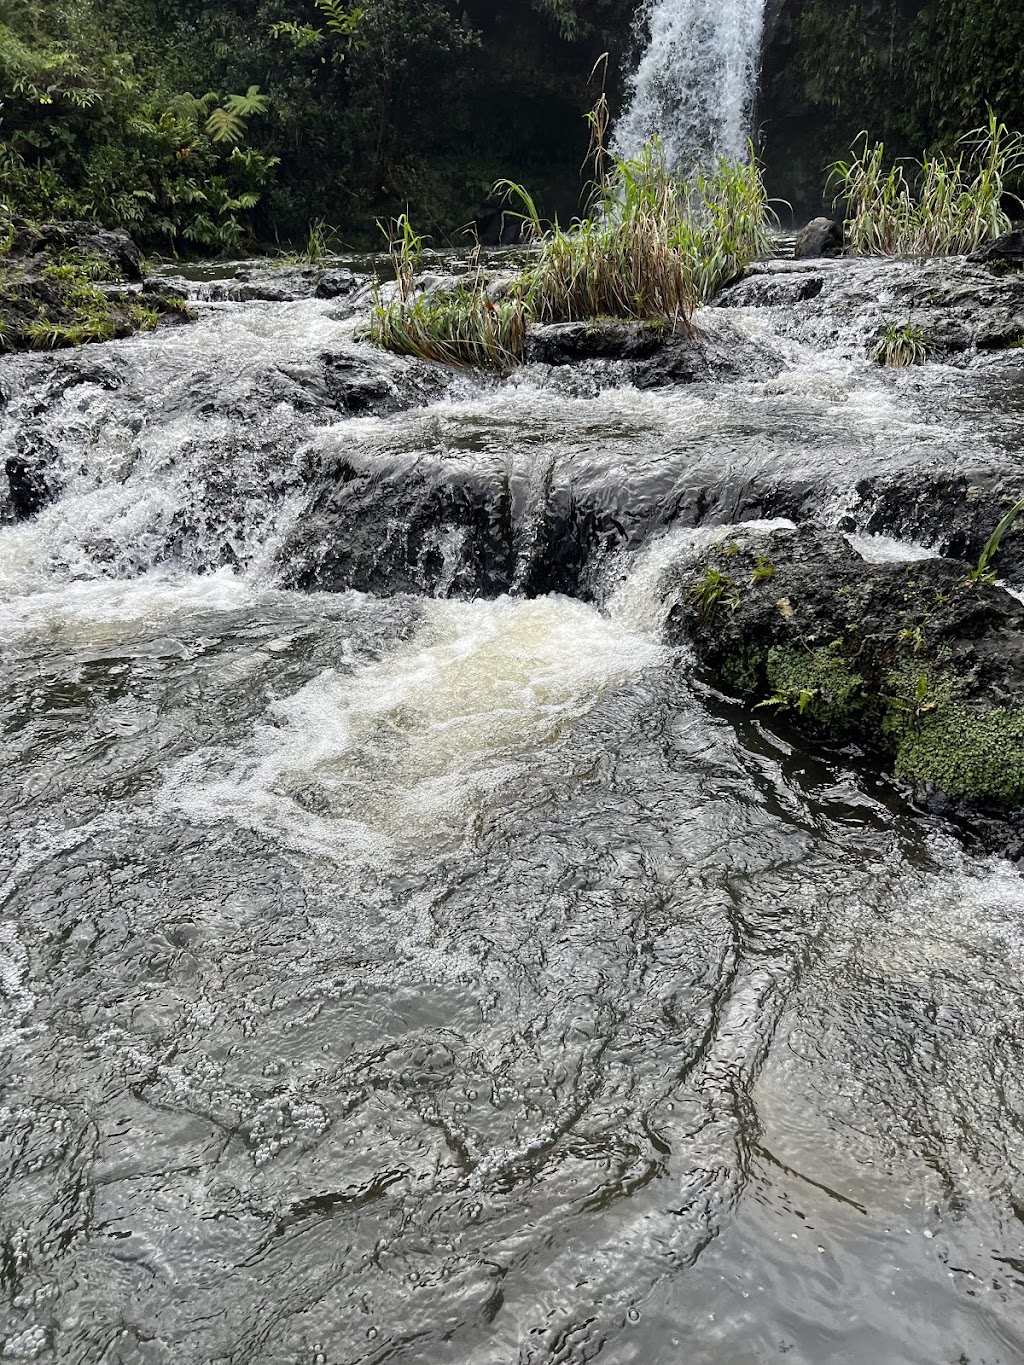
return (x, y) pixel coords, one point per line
(819, 683)
(899, 347)
(653, 248)
(982, 573)
(712, 590)
(941, 205)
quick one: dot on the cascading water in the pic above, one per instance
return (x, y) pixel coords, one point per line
(438, 974)
(696, 82)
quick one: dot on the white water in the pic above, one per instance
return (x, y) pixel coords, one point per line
(696, 82)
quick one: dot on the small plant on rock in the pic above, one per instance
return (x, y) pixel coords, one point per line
(899, 347)
(982, 574)
(711, 590)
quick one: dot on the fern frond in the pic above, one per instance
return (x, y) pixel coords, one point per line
(245, 106)
(224, 125)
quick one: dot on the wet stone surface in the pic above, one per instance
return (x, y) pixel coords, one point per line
(438, 969)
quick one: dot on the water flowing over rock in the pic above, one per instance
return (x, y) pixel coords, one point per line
(407, 951)
(696, 82)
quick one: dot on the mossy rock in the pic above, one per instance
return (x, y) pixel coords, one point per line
(819, 685)
(968, 755)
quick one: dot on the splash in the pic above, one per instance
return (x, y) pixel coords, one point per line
(696, 82)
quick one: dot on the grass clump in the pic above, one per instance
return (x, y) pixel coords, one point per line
(943, 205)
(899, 346)
(63, 306)
(462, 328)
(651, 248)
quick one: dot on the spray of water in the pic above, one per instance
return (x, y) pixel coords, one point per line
(695, 85)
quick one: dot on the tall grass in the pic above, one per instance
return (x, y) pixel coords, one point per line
(462, 328)
(940, 206)
(650, 247)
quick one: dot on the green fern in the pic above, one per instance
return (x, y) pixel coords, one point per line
(245, 106)
(224, 126)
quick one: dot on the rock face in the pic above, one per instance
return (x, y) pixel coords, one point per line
(61, 284)
(46, 241)
(268, 283)
(959, 305)
(1006, 251)
(920, 662)
(821, 237)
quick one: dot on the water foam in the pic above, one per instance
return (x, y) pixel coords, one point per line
(410, 750)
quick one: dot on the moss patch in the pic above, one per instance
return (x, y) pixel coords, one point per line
(818, 684)
(978, 756)
(62, 305)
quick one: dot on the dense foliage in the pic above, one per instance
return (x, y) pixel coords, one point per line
(208, 125)
(915, 74)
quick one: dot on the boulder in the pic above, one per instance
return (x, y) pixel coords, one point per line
(112, 245)
(920, 663)
(1005, 252)
(821, 237)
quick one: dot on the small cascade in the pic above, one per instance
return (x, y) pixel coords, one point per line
(697, 80)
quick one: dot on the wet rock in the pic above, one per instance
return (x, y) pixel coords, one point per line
(45, 241)
(955, 512)
(566, 343)
(651, 355)
(821, 237)
(27, 488)
(265, 282)
(1006, 251)
(920, 663)
(959, 305)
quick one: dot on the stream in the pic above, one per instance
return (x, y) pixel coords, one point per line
(435, 969)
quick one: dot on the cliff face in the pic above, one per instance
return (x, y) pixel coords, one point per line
(913, 73)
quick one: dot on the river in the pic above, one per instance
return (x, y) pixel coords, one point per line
(430, 974)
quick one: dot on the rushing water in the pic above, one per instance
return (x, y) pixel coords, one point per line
(424, 978)
(695, 84)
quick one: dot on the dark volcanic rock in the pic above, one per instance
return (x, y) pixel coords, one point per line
(565, 343)
(917, 662)
(821, 237)
(1006, 251)
(651, 355)
(958, 304)
(48, 240)
(955, 512)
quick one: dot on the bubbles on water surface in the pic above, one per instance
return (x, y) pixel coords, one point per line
(415, 747)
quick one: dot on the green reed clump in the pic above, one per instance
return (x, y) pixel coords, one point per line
(900, 346)
(652, 246)
(461, 328)
(940, 206)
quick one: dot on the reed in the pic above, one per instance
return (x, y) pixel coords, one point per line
(651, 247)
(462, 328)
(940, 206)
(899, 347)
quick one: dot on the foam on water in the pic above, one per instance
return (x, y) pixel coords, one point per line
(877, 549)
(410, 749)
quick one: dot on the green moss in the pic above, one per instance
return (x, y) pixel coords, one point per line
(819, 684)
(978, 756)
(743, 672)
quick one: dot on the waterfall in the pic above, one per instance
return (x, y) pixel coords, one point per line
(696, 82)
